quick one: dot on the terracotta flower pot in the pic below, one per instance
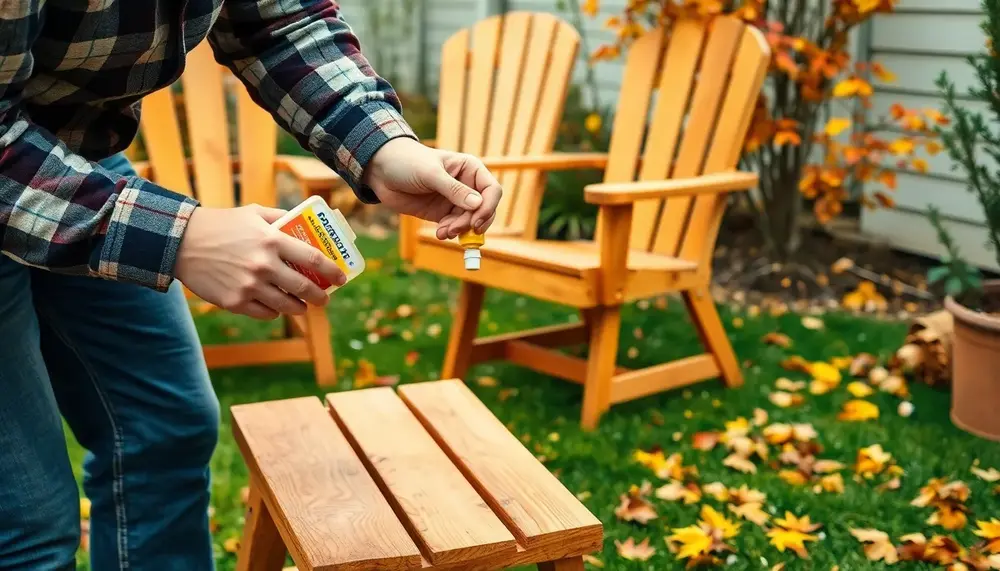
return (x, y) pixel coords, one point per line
(975, 361)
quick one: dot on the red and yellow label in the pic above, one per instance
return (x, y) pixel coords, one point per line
(309, 228)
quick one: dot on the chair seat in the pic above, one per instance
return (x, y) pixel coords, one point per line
(572, 258)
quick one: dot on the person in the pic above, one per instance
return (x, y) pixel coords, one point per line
(93, 321)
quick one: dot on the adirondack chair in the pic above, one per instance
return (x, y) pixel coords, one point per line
(209, 172)
(685, 104)
(502, 92)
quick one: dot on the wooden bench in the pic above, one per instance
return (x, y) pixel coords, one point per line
(425, 477)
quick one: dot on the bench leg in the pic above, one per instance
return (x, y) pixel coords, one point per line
(713, 335)
(568, 564)
(261, 548)
(604, 323)
(464, 327)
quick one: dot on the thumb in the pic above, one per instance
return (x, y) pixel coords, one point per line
(454, 190)
(270, 215)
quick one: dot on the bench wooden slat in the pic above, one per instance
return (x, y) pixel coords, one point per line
(442, 511)
(530, 500)
(330, 513)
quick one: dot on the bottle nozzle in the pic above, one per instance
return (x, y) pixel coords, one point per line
(472, 257)
(471, 242)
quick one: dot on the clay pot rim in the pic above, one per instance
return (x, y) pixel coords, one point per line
(975, 318)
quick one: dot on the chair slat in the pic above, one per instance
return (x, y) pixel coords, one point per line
(257, 137)
(485, 46)
(749, 71)
(545, 126)
(443, 513)
(451, 96)
(632, 111)
(332, 514)
(713, 74)
(530, 500)
(208, 128)
(510, 66)
(161, 136)
(674, 91)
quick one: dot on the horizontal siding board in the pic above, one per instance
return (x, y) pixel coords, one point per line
(919, 72)
(912, 232)
(932, 5)
(916, 192)
(945, 33)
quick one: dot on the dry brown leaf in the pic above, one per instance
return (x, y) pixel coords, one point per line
(751, 512)
(676, 491)
(827, 466)
(785, 400)
(841, 265)
(862, 365)
(779, 339)
(717, 490)
(939, 549)
(796, 363)
(741, 463)
(635, 551)
(878, 545)
(635, 507)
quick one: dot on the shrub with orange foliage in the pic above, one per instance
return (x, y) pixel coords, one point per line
(799, 156)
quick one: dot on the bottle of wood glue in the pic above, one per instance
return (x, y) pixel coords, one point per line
(316, 224)
(471, 242)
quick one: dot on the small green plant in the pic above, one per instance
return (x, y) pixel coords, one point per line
(968, 137)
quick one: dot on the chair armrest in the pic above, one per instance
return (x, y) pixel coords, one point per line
(309, 171)
(548, 162)
(629, 192)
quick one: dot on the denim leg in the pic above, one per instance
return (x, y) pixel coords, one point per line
(39, 502)
(127, 369)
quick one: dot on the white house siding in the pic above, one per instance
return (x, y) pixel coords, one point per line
(922, 39)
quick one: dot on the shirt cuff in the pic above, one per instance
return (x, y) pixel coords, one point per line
(143, 235)
(368, 128)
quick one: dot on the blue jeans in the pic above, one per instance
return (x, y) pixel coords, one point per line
(124, 366)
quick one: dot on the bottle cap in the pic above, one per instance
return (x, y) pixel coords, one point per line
(472, 257)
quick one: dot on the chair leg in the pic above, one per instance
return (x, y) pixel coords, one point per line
(605, 323)
(317, 335)
(713, 334)
(568, 564)
(261, 548)
(464, 327)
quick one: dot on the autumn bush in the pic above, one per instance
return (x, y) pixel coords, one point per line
(811, 141)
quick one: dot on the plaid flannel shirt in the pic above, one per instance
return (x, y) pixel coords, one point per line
(72, 74)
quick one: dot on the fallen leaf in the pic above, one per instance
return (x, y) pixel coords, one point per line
(841, 265)
(593, 561)
(939, 549)
(812, 322)
(825, 373)
(988, 475)
(634, 507)
(717, 490)
(676, 491)
(861, 365)
(792, 533)
(858, 411)
(741, 463)
(231, 545)
(827, 466)
(635, 552)
(486, 381)
(411, 358)
(705, 440)
(704, 539)
(872, 460)
(878, 546)
(989, 530)
(751, 512)
(833, 483)
(793, 477)
(785, 400)
(759, 417)
(786, 384)
(859, 390)
(779, 339)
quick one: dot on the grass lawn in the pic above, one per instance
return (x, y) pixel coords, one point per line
(600, 465)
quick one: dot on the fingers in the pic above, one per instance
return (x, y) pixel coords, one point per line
(491, 192)
(456, 191)
(307, 257)
(273, 298)
(270, 215)
(256, 310)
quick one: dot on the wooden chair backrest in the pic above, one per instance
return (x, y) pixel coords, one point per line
(502, 91)
(686, 101)
(201, 137)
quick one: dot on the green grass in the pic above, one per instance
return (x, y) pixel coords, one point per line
(600, 463)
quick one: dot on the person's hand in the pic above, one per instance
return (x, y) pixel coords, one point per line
(454, 190)
(235, 259)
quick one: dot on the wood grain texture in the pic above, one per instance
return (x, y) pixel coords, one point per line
(257, 141)
(443, 513)
(534, 505)
(261, 548)
(330, 513)
(208, 128)
(640, 192)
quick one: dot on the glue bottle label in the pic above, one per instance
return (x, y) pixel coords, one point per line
(316, 224)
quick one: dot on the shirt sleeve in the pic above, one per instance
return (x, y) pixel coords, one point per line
(302, 62)
(64, 213)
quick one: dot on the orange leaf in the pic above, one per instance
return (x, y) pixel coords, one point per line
(787, 138)
(888, 178)
(885, 200)
(901, 147)
(836, 126)
(920, 165)
(705, 440)
(590, 7)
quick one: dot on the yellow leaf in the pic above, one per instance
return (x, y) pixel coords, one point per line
(778, 433)
(717, 490)
(866, 6)
(825, 373)
(590, 7)
(84, 508)
(825, 466)
(859, 389)
(989, 475)
(793, 477)
(920, 165)
(858, 411)
(675, 491)
(785, 400)
(694, 541)
(878, 546)
(751, 512)
(852, 86)
(872, 460)
(832, 483)
(231, 545)
(990, 530)
(592, 123)
(836, 126)
(812, 322)
(901, 146)
(486, 381)
(741, 463)
(790, 539)
(789, 385)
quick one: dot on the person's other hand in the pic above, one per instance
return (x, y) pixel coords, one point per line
(235, 259)
(454, 190)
